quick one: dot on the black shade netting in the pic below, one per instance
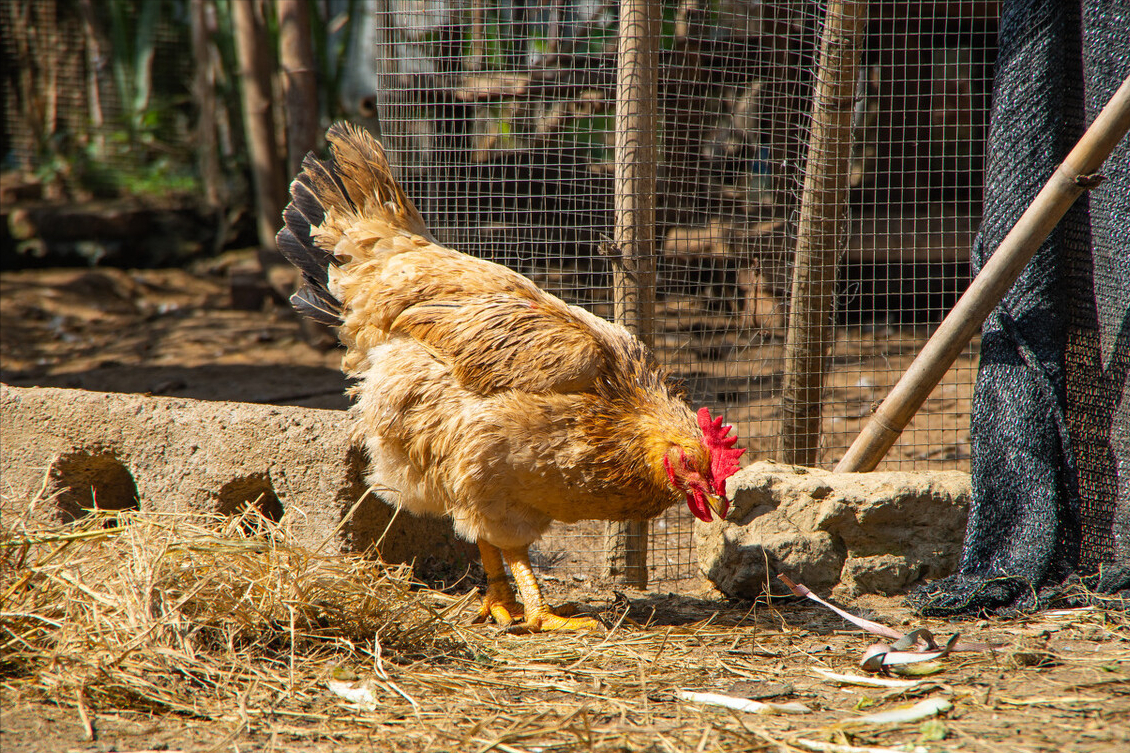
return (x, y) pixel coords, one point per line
(1050, 519)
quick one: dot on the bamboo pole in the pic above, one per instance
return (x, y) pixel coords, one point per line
(254, 48)
(296, 55)
(820, 232)
(637, 93)
(1074, 176)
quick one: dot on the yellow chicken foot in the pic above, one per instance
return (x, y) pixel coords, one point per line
(539, 617)
(498, 602)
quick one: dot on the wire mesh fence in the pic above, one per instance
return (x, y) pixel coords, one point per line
(502, 117)
(98, 94)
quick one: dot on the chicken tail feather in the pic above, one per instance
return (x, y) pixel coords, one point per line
(296, 242)
(327, 198)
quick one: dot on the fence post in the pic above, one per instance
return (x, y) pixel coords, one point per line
(633, 252)
(823, 216)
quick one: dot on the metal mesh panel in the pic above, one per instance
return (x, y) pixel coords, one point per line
(501, 117)
(97, 95)
(1049, 516)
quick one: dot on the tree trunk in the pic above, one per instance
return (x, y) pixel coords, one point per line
(296, 53)
(254, 48)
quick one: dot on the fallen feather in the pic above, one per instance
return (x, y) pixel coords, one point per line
(358, 692)
(1068, 612)
(905, 714)
(917, 670)
(822, 747)
(1048, 701)
(875, 682)
(920, 639)
(742, 704)
(868, 625)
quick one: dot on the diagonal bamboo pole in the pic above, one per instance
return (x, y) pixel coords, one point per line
(1074, 176)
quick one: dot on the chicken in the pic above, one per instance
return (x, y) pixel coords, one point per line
(480, 396)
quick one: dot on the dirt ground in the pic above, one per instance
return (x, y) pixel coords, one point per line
(176, 332)
(1062, 682)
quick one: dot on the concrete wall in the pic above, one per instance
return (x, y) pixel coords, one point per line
(74, 448)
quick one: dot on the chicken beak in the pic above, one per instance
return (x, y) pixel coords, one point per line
(720, 505)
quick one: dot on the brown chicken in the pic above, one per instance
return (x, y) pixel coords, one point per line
(482, 397)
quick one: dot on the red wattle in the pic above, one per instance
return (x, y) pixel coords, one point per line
(696, 500)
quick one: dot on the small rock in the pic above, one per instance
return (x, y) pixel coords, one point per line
(1039, 659)
(756, 691)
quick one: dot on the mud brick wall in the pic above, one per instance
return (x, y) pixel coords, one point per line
(72, 449)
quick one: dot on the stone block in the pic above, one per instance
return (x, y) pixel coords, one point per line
(856, 533)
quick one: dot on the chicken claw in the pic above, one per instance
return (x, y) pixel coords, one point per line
(548, 621)
(500, 607)
(539, 617)
(498, 602)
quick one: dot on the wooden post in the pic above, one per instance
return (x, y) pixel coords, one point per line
(204, 91)
(1074, 176)
(633, 253)
(296, 54)
(476, 60)
(820, 232)
(254, 48)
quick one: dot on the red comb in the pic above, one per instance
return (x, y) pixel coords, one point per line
(723, 455)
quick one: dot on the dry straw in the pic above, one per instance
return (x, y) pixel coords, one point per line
(150, 609)
(229, 623)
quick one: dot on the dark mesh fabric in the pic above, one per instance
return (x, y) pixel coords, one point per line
(1050, 521)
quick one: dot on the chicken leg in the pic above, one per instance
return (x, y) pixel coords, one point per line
(539, 618)
(498, 602)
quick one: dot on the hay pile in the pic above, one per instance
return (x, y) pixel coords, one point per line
(184, 612)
